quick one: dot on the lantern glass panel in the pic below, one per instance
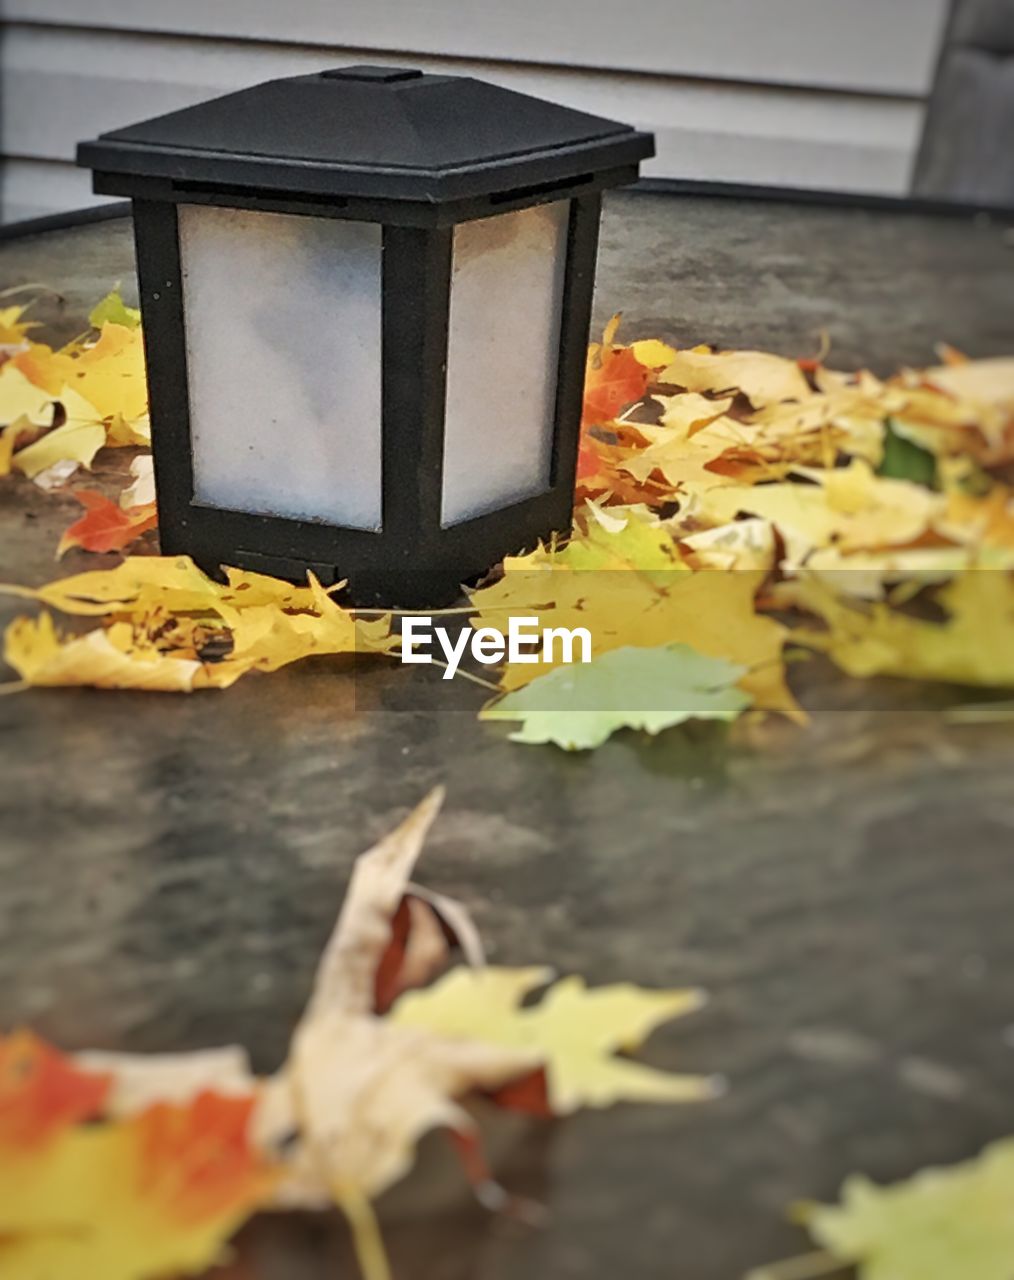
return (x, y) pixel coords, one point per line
(503, 353)
(283, 326)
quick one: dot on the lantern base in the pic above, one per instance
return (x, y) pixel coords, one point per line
(367, 589)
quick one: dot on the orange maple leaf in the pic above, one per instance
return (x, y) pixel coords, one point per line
(42, 1092)
(196, 1162)
(105, 526)
(618, 380)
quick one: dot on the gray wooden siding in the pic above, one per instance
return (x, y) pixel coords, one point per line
(813, 94)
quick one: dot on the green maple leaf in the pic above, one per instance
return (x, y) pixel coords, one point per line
(954, 1223)
(904, 459)
(580, 705)
(113, 310)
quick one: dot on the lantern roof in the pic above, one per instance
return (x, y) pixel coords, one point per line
(374, 132)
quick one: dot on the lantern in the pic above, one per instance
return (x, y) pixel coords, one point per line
(366, 298)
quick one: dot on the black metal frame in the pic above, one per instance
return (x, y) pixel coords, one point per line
(412, 561)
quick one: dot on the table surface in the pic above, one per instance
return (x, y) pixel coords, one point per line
(171, 865)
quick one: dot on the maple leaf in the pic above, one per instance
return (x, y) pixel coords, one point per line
(580, 706)
(172, 583)
(42, 1092)
(20, 398)
(122, 1201)
(589, 584)
(358, 1091)
(764, 379)
(158, 606)
(13, 329)
(974, 646)
(340, 1120)
(868, 575)
(105, 526)
(100, 387)
(76, 442)
(145, 1197)
(690, 445)
(618, 382)
(601, 472)
(113, 310)
(617, 376)
(265, 637)
(953, 409)
(850, 507)
(108, 386)
(904, 459)
(10, 438)
(937, 1225)
(109, 659)
(981, 522)
(45, 368)
(573, 1031)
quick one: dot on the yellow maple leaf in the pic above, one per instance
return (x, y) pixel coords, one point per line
(868, 574)
(157, 607)
(9, 437)
(43, 1096)
(21, 398)
(652, 353)
(981, 522)
(685, 448)
(846, 418)
(13, 329)
(974, 646)
(988, 381)
(940, 1224)
(73, 442)
(848, 506)
(113, 309)
(761, 377)
(45, 368)
(610, 585)
(266, 637)
(80, 1196)
(105, 659)
(573, 1031)
(107, 385)
(173, 583)
(153, 1195)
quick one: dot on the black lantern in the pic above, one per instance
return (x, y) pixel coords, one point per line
(366, 299)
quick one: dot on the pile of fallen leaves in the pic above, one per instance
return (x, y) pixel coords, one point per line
(728, 503)
(126, 1167)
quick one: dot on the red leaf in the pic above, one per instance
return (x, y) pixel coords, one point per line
(105, 526)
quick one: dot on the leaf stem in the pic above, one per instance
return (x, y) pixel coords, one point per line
(366, 1237)
(35, 286)
(808, 1266)
(468, 676)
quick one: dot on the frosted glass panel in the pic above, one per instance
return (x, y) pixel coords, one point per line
(283, 353)
(503, 345)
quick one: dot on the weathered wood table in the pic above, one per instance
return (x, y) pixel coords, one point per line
(171, 865)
